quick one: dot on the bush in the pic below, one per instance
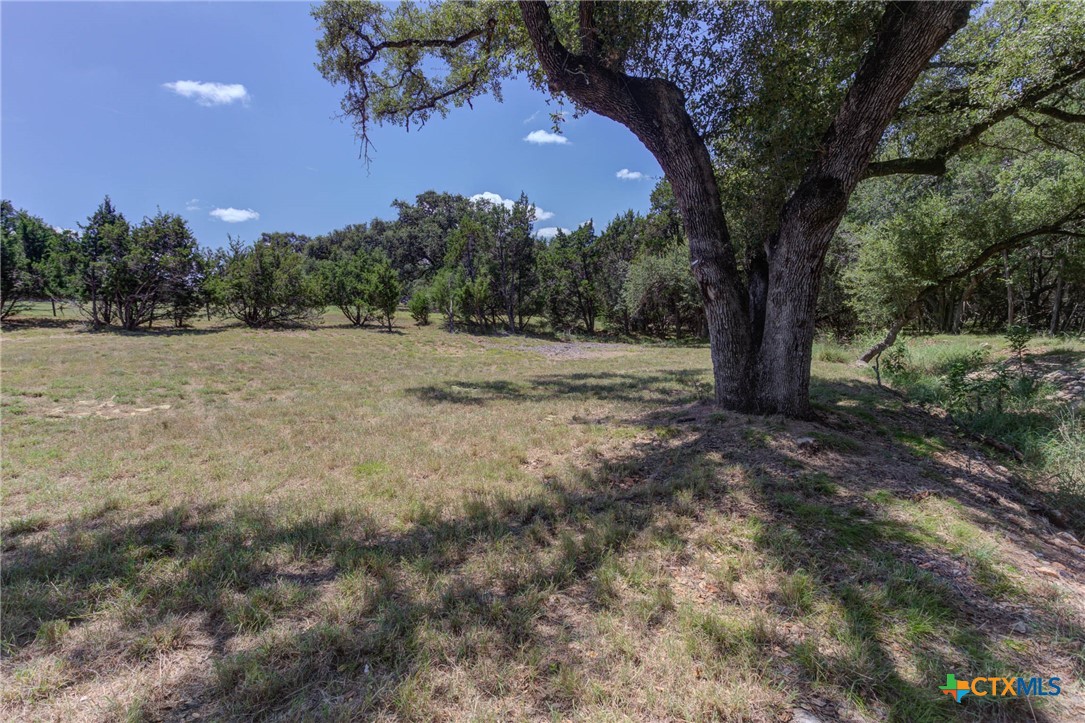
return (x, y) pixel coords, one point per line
(419, 307)
(385, 290)
(265, 285)
(898, 365)
(1017, 338)
(348, 285)
(661, 294)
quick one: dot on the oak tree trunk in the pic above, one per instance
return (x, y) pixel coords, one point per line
(761, 327)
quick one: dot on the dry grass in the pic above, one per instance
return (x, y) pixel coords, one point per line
(341, 524)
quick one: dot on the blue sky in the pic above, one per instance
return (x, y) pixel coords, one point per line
(91, 105)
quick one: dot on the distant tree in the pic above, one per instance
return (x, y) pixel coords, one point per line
(104, 238)
(661, 293)
(212, 292)
(59, 269)
(616, 248)
(15, 279)
(180, 264)
(511, 257)
(355, 237)
(297, 241)
(386, 290)
(154, 271)
(419, 306)
(265, 285)
(348, 284)
(469, 254)
(569, 277)
(417, 242)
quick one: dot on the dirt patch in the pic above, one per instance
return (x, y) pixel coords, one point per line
(575, 350)
(101, 410)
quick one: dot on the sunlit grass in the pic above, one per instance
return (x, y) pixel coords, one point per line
(338, 523)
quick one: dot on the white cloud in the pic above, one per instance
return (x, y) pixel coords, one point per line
(626, 175)
(209, 93)
(235, 215)
(531, 117)
(545, 137)
(193, 205)
(495, 199)
(550, 232)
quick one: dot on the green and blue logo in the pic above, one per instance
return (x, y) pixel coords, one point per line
(999, 687)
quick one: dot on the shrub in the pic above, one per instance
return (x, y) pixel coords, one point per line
(266, 285)
(347, 280)
(385, 290)
(898, 365)
(1017, 338)
(661, 293)
(419, 307)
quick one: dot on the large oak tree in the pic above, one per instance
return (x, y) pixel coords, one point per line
(766, 115)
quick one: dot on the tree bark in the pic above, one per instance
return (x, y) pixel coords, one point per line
(909, 34)
(1009, 288)
(1056, 304)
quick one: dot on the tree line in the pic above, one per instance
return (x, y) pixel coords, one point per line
(477, 264)
(994, 243)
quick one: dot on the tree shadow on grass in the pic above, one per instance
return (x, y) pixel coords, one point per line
(84, 326)
(23, 323)
(671, 386)
(335, 617)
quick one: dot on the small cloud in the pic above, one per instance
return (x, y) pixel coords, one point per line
(497, 200)
(543, 138)
(235, 215)
(550, 232)
(193, 205)
(531, 117)
(626, 175)
(209, 94)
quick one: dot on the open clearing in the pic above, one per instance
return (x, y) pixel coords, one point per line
(342, 524)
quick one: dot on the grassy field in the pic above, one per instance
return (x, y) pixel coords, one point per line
(344, 524)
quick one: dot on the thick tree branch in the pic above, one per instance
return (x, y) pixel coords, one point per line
(589, 34)
(909, 34)
(376, 48)
(1059, 114)
(1028, 101)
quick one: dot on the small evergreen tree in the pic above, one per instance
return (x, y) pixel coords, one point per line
(265, 285)
(14, 272)
(386, 290)
(419, 306)
(348, 284)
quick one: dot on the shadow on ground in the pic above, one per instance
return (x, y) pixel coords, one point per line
(77, 324)
(334, 618)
